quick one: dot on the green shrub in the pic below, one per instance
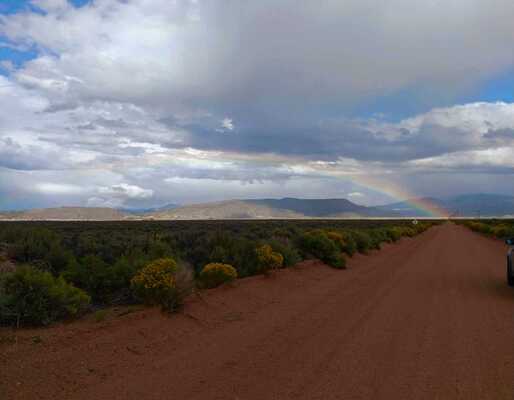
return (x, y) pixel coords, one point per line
(39, 245)
(163, 282)
(350, 246)
(215, 274)
(317, 244)
(218, 255)
(284, 247)
(105, 283)
(363, 241)
(479, 227)
(338, 239)
(395, 233)
(378, 236)
(501, 231)
(32, 297)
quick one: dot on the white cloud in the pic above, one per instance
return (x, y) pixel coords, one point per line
(227, 124)
(58, 188)
(182, 53)
(125, 190)
(126, 96)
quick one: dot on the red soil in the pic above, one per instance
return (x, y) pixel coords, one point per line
(428, 318)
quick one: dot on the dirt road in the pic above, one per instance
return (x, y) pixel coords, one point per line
(428, 318)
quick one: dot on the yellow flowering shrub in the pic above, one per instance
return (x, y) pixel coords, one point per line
(268, 259)
(161, 282)
(215, 274)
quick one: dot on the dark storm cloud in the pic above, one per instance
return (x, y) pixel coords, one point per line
(329, 140)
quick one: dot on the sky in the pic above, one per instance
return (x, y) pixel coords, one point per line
(140, 103)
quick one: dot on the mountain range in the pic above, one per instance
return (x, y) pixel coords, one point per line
(470, 205)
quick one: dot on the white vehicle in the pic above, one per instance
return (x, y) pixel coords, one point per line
(510, 266)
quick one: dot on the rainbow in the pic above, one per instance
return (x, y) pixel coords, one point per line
(401, 194)
(384, 186)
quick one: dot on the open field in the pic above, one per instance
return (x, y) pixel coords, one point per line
(426, 318)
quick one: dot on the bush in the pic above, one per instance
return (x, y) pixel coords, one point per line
(32, 297)
(501, 231)
(395, 233)
(268, 259)
(317, 244)
(338, 239)
(163, 282)
(215, 274)
(362, 241)
(218, 255)
(479, 227)
(290, 253)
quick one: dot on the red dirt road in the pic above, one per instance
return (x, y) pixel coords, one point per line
(428, 318)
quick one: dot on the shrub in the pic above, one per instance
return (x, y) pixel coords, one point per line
(479, 227)
(395, 233)
(343, 241)
(501, 231)
(363, 241)
(290, 253)
(268, 259)
(215, 274)
(105, 283)
(317, 244)
(409, 231)
(338, 239)
(32, 297)
(218, 255)
(350, 247)
(163, 282)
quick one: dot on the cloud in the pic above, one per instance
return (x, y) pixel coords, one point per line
(118, 195)
(226, 125)
(126, 97)
(58, 188)
(125, 190)
(262, 54)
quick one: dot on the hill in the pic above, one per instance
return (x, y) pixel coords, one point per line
(67, 213)
(140, 211)
(469, 205)
(319, 207)
(230, 209)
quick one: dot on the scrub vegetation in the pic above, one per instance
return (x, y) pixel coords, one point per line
(64, 269)
(499, 228)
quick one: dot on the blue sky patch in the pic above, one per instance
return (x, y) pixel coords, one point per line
(500, 88)
(14, 6)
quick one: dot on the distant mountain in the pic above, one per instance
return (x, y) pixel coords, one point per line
(273, 208)
(320, 207)
(230, 209)
(468, 205)
(138, 211)
(67, 213)
(408, 208)
(485, 205)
